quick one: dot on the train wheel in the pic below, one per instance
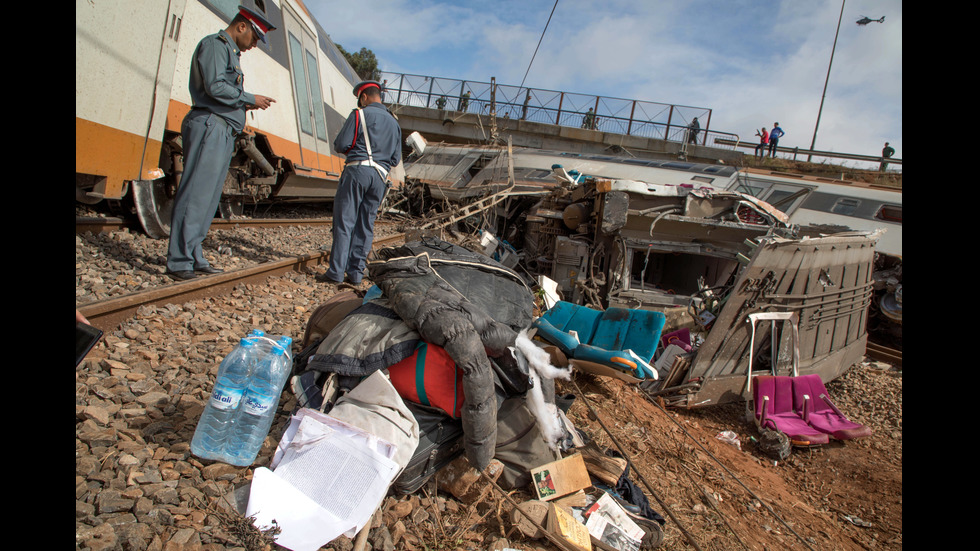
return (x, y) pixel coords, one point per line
(154, 205)
(230, 208)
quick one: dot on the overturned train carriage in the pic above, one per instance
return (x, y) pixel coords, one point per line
(681, 243)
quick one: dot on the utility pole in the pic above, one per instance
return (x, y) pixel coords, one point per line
(814, 142)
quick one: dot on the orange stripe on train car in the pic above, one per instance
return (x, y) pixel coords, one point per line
(115, 154)
(281, 147)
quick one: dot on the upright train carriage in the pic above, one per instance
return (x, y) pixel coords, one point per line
(132, 64)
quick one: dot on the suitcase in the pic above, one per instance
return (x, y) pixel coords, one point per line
(440, 441)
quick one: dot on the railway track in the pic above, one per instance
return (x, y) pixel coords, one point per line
(884, 354)
(109, 313)
(98, 225)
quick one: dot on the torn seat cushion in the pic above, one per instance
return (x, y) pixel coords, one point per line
(773, 398)
(603, 337)
(811, 396)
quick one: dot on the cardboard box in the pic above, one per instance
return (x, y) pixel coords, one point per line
(575, 534)
(560, 478)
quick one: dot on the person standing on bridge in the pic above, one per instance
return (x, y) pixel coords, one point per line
(588, 120)
(371, 140)
(208, 133)
(886, 153)
(692, 131)
(774, 136)
(760, 149)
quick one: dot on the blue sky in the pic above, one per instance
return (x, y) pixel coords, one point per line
(752, 62)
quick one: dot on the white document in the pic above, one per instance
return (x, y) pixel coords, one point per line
(305, 525)
(325, 423)
(329, 479)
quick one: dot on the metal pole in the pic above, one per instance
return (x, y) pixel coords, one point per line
(401, 84)
(706, 127)
(595, 116)
(813, 144)
(629, 126)
(670, 116)
(561, 99)
(428, 100)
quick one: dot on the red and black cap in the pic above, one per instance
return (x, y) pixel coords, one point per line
(364, 85)
(258, 21)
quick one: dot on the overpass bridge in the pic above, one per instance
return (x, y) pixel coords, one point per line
(466, 111)
(458, 111)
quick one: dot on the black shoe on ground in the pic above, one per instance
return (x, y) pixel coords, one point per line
(209, 270)
(322, 278)
(182, 274)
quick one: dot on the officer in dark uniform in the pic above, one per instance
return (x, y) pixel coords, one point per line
(371, 140)
(208, 133)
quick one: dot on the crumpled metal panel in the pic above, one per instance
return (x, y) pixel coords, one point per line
(826, 280)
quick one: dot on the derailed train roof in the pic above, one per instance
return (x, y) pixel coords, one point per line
(460, 171)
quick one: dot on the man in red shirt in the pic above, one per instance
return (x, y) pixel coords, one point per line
(760, 149)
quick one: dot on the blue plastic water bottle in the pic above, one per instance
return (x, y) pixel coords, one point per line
(218, 418)
(259, 405)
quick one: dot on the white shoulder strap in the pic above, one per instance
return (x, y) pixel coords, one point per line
(367, 144)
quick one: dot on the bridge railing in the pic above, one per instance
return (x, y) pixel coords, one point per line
(608, 114)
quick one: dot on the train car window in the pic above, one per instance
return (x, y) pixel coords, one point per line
(753, 190)
(538, 174)
(890, 213)
(228, 8)
(845, 206)
(778, 194)
(299, 82)
(318, 116)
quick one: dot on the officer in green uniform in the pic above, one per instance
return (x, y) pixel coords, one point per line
(208, 133)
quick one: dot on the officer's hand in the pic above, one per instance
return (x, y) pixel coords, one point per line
(263, 102)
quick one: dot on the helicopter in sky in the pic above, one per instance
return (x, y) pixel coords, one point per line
(865, 20)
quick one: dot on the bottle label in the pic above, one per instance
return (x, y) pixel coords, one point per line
(226, 398)
(257, 404)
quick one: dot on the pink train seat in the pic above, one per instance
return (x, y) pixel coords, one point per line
(773, 399)
(812, 401)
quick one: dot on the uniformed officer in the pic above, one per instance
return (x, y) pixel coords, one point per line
(371, 140)
(208, 133)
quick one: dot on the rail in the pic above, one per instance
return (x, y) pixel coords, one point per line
(629, 117)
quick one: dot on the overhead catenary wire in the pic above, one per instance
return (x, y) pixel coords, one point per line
(539, 44)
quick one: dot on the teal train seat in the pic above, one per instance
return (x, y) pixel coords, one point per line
(620, 338)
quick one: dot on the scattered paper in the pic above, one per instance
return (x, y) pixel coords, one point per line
(304, 525)
(610, 524)
(329, 479)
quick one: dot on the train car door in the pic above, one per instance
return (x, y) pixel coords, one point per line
(306, 90)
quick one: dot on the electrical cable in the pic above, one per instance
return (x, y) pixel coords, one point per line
(727, 470)
(539, 44)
